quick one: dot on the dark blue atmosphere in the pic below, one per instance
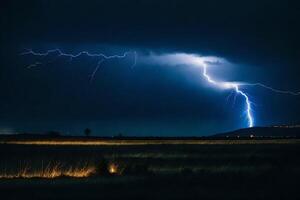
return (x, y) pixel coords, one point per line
(260, 40)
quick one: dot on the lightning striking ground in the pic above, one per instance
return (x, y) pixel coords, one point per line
(235, 86)
(172, 59)
(238, 90)
(204, 62)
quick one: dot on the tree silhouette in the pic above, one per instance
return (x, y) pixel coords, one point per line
(87, 132)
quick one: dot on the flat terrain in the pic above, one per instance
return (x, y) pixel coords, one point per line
(150, 169)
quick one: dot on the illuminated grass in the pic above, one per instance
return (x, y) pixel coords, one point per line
(51, 171)
(63, 158)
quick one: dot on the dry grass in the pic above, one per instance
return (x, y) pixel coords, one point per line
(104, 158)
(51, 171)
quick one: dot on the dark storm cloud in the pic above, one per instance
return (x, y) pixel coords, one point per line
(260, 37)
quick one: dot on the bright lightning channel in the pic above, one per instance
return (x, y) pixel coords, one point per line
(170, 59)
(237, 89)
(230, 85)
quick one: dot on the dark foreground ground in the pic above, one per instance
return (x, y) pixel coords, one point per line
(177, 171)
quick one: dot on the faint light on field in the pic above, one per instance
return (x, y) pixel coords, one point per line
(113, 168)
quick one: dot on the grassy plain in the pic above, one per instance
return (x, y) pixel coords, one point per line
(150, 169)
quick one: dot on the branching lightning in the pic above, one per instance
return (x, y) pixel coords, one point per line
(102, 57)
(273, 89)
(229, 85)
(96, 69)
(204, 62)
(172, 59)
(237, 88)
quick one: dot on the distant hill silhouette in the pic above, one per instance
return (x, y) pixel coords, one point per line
(274, 131)
(258, 132)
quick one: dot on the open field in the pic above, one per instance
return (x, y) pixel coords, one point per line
(160, 141)
(166, 169)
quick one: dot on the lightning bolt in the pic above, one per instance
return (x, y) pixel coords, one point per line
(274, 89)
(102, 57)
(34, 65)
(96, 69)
(235, 87)
(172, 59)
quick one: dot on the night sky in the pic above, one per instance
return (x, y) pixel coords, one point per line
(259, 38)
